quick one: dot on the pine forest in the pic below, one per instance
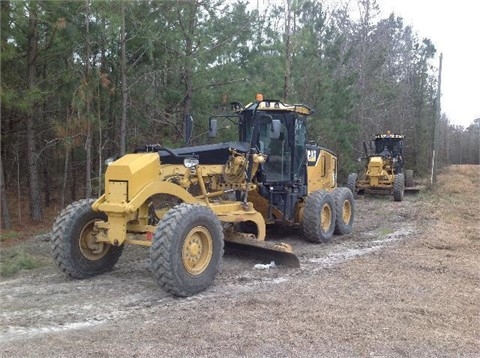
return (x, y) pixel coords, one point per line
(82, 81)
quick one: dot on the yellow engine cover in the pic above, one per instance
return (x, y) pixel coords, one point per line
(126, 176)
(375, 167)
(321, 170)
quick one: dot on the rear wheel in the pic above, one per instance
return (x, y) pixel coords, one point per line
(352, 182)
(345, 210)
(187, 250)
(73, 243)
(409, 178)
(319, 217)
(398, 187)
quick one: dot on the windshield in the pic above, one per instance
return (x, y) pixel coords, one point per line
(277, 166)
(387, 146)
(300, 141)
(285, 154)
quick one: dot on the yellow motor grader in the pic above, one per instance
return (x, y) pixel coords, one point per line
(185, 203)
(385, 171)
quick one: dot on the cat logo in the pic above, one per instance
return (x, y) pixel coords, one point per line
(312, 155)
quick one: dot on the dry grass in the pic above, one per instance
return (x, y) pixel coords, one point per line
(460, 179)
(457, 201)
(422, 296)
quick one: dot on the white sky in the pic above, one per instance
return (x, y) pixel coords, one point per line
(454, 28)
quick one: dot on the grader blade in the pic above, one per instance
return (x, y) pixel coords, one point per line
(281, 254)
(414, 189)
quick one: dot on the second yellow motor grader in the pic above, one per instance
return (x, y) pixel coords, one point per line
(185, 203)
(385, 171)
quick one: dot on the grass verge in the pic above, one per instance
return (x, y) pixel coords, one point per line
(8, 235)
(15, 259)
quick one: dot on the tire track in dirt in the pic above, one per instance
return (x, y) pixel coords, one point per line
(48, 302)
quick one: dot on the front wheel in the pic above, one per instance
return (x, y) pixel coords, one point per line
(73, 244)
(345, 211)
(319, 217)
(187, 250)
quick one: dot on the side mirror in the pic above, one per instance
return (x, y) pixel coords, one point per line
(212, 128)
(275, 129)
(188, 128)
(372, 144)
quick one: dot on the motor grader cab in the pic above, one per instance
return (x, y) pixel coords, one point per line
(385, 169)
(185, 203)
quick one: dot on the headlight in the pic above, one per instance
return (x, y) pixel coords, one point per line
(109, 161)
(190, 162)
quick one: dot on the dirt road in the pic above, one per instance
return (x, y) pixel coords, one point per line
(405, 283)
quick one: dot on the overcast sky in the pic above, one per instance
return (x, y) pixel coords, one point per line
(453, 27)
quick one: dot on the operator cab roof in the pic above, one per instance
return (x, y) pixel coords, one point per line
(389, 135)
(276, 105)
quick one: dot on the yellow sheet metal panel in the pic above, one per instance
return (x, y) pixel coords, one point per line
(118, 191)
(375, 166)
(137, 170)
(322, 175)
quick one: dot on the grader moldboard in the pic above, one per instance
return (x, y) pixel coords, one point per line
(175, 201)
(385, 171)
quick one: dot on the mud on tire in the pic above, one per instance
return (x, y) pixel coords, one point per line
(73, 245)
(187, 250)
(344, 210)
(319, 217)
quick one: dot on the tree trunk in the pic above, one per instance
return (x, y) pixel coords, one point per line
(187, 70)
(436, 120)
(36, 209)
(88, 160)
(19, 186)
(65, 176)
(4, 203)
(5, 15)
(123, 65)
(100, 143)
(73, 185)
(47, 179)
(48, 186)
(88, 140)
(288, 51)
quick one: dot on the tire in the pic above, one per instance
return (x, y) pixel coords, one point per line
(319, 217)
(409, 178)
(344, 211)
(187, 250)
(73, 247)
(352, 183)
(398, 187)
